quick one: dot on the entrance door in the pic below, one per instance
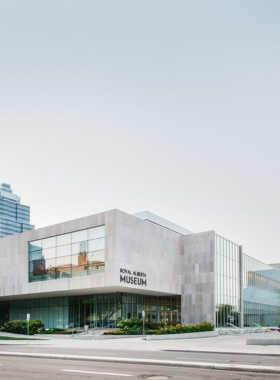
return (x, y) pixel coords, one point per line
(175, 316)
(169, 315)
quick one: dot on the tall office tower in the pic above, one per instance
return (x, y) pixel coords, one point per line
(14, 217)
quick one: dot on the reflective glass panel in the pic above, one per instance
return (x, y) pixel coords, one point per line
(35, 255)
(53, 258)
(49, 243)
(79, 247)
(63, 239)
(96, 233)
(80, 259)
(96, 245)
(49, 268)
(48, 253)
(79, 236)
(64, 250)
(98, 256)
(35, 245)
(79, 271)
(63, 261)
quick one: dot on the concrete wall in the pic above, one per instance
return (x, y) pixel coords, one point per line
(198, 277)
(173, 264)
(131, 244)
(144, 246)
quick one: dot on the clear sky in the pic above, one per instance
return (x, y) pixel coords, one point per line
(166, 106)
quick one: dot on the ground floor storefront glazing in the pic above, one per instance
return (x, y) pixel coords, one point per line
(99, 310)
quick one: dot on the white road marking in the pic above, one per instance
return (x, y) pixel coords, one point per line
(97, 373)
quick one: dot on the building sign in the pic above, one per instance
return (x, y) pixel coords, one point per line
(132, 277)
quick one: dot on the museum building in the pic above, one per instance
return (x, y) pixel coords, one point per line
(99, 269)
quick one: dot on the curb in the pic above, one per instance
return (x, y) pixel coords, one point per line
(225, 352)
(168, 363)
(197, 335)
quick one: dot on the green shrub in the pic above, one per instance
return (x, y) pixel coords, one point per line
(128, 332)
(16, 327)
(20, 327)
(134, 326)
(35, 325)
(134, 323)
(55, 330)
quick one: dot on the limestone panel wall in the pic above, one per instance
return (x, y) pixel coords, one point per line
(145, 247)
(131, 244)
(198, 277)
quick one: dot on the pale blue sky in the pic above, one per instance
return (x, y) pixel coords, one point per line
(166, 106)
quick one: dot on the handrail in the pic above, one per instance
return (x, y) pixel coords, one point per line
(75, 328)
(94, 328)
(101, 327)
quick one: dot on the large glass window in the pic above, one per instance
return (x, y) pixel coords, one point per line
(227, 284)
(256, 293)
(80, 253)
(261, 289)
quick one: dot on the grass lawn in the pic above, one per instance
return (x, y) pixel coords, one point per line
(11, 338)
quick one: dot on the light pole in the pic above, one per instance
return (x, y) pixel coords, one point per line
(143, 316)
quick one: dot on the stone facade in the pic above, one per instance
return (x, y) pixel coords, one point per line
(131, 243)
(173, 264)
(198, 277)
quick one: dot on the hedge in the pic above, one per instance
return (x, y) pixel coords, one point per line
(20, 327)
(134, 326)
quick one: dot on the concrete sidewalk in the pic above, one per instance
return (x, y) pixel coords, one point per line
(139, 351)
(220, 344)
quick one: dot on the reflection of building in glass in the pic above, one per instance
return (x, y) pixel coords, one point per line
(14, 217)
(68, 255)
(246, 289)
(99, 269)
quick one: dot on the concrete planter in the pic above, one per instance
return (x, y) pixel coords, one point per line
(204, 334)
(50, 336)
(117, 336)
(263, 342)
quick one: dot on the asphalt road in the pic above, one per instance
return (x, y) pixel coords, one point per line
(46, 369)
(225, 358)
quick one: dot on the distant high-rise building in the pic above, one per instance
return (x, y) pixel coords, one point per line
(14, 217)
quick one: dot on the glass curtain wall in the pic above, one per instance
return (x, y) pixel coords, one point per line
(4, 312)
(97, 310)
(227, 287)
(75, 254)
(157, 309)
(261, 287)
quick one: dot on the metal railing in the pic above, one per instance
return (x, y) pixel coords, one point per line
(92, 330)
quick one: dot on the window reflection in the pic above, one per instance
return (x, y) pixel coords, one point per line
(79, 236)
(62, 261)
(35, 246)
(96, 233)
(48, 253)
(96, 256)
(63, 239)
(56, 257)
(79, 247)
(64, 250)
(96, 245)
(49, 243)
